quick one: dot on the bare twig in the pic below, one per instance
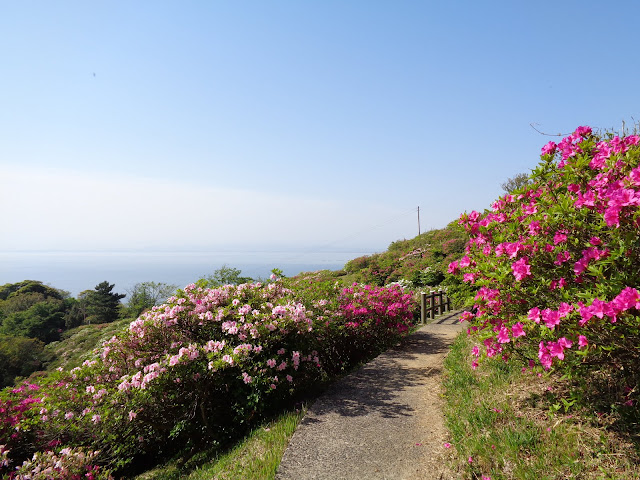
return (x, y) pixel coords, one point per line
(548, 134)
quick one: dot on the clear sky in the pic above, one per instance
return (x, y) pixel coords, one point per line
(194, 125)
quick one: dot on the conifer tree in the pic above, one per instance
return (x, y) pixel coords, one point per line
(102, 303)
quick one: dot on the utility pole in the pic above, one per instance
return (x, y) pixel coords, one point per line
(418, 220)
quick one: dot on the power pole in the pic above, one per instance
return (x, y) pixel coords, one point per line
(418, 220)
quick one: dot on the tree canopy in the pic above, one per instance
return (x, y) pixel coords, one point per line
(516, 183)
(224, 276)
(146, 295)
(102, 304)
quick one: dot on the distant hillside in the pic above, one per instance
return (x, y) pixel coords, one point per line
(417, 263)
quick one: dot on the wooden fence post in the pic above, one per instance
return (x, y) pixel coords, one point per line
(432, 305)
(442, 305)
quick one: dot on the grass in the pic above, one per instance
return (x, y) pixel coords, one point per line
(256, 457)
(78, 344)
(510, 424)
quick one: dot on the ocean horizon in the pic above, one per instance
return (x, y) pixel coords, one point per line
(78, 271)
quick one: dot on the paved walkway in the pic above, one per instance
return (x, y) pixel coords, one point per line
(383, 422)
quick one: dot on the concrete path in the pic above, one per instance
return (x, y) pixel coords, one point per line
(383, 422)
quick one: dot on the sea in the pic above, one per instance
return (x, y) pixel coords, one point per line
(75, 272)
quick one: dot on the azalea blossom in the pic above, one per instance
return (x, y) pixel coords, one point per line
(521, 269)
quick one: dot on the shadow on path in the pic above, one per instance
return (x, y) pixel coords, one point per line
(370, 423)
(376, 386)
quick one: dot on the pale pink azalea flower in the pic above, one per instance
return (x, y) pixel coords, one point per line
(214, 346)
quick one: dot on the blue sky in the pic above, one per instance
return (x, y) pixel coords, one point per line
(198, 125)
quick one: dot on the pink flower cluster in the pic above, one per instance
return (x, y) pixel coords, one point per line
(385, 307)
(566, 243)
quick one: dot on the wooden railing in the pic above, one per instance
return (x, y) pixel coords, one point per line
(438, 304)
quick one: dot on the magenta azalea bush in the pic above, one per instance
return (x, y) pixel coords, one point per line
(556, 264)
(201, 368)
(355, 322)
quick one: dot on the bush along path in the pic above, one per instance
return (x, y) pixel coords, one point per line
(382, 422)
(200, 370)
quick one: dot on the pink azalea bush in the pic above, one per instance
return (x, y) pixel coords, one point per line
(200, 368)
(556, 265)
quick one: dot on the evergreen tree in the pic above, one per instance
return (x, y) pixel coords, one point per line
(102, 303)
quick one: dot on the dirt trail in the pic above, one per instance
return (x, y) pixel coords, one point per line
(383, 422)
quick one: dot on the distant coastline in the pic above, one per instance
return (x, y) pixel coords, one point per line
(78, 271)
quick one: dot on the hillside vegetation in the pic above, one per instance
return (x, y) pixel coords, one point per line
(175, 359)
(417, 264)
